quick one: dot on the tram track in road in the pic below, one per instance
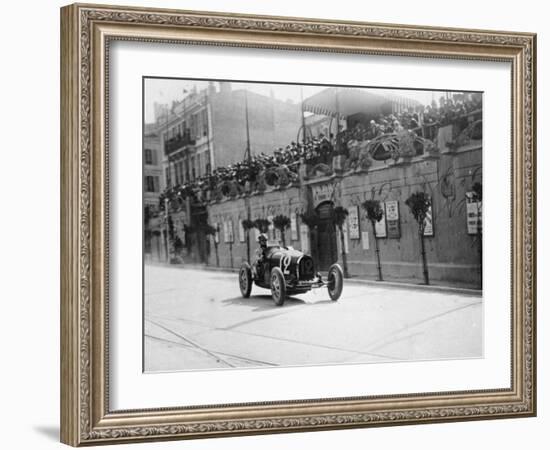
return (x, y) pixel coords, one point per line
(220, 357)
(210, 328)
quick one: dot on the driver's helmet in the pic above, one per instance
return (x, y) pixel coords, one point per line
(262, 238)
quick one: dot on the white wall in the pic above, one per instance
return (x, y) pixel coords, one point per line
(29, 109)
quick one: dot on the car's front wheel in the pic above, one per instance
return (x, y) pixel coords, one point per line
(335, 282)
(278, 286)
(245, 280)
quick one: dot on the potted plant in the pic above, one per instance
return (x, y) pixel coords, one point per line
(419, 204)
(281, 223)
(262, 225)
(374, 212)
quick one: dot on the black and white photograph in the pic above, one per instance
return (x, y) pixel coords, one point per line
(295, 225)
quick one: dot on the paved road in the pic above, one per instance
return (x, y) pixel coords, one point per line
(197, 319)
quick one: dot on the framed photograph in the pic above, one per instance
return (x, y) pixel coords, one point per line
(276, 224)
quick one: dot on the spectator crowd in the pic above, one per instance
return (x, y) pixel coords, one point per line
(456, 109)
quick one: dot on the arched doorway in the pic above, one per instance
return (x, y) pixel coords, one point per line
(327, 250)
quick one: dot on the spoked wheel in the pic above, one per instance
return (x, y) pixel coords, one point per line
(245, 280)
(335, 282)
(278, 286)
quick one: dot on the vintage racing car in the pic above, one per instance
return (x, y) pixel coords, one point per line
(286, 271)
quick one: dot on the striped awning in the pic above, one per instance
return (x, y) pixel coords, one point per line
(346, 102)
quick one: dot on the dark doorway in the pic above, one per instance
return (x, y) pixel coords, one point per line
(199, 247)
(327, 250)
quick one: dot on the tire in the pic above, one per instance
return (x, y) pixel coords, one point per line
(245, 280)
(278, 286)
(335, 282)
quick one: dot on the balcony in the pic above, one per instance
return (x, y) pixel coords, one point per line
(177, 142)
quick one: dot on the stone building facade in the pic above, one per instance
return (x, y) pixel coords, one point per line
(447, 174)
(208, 129)
(451, 249)
(209, 225)
(153, 185)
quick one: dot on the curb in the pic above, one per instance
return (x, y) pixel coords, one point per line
(417, 287)
(387, 284)
(193, 267)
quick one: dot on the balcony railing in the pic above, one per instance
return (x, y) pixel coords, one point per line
(175, 143)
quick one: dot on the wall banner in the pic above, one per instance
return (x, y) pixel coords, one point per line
(429, 223)
(346, 236)
(230, 234)
(241, 231)
(271, 228)
(304, 238)
(392, 219)
(293, 227)
(365, 240)
(353, 221)
(473, 214)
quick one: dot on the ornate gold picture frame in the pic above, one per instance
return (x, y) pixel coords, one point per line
(87, 31)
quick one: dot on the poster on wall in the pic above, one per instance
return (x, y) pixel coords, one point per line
(304, 238)
(293, 227)
(230, 231)
(346, 236)
(365, 240)
(429, 222)
(473, 214)
(392, 219)
(271, 228)
(380, 226)
(353, 221)
(225, 232)
(241, 231)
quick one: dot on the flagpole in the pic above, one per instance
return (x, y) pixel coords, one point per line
(247, 126)
(337, 120)
(249, 160)
(303, 116)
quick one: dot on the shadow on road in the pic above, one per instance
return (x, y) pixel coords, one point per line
(262, 302)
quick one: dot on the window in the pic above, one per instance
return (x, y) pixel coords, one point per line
(176, 174)
(151, 183)
(194, 127)
(150, 156)
(179, 171)
(199, 165)
(168, 177)
(204, 114)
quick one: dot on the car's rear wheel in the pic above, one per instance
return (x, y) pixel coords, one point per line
(335, 282)
(245, 280)
(278, 286)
